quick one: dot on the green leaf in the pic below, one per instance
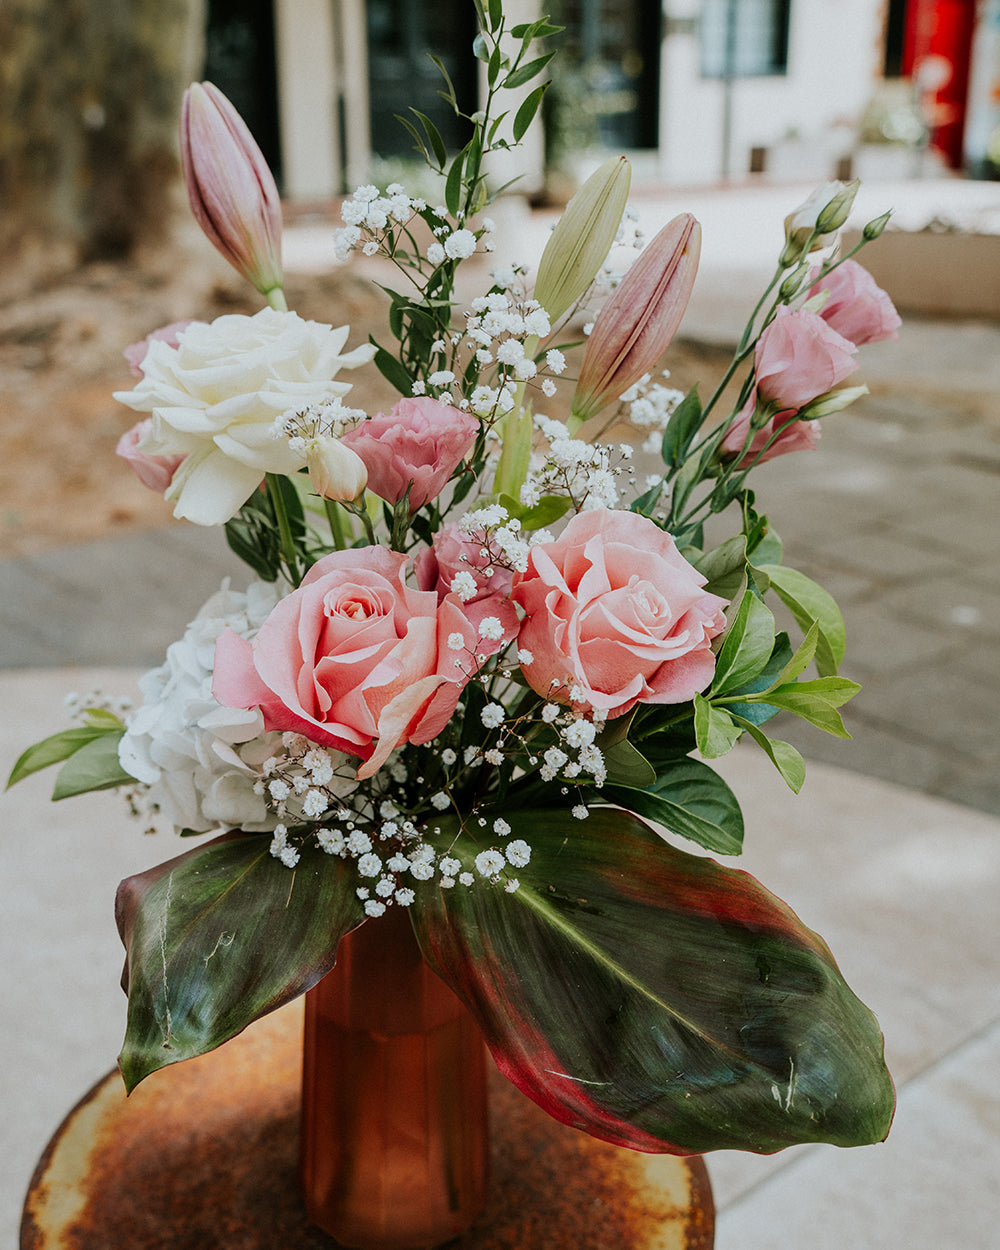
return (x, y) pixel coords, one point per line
(747, 645)
(220, 936)
(714, 730)
(627, 766)
(814, 701)
(684, 423)
(783, 755)
(725, 567)
(518, 77)
(51, 750)
(433, 137)
(94, 766)
(453, 184)
(535, 30)
(480, 48)
(809, 602)
(690, 800)
(103, 719)
(393, 371)
(802, 658)
(525, 115)
(495, 63)
(656, 999)
(448, 95)
(496, 14)
(547, 511)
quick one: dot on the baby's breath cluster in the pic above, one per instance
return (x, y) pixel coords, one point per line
(305, 426)
(587, 473)
(649, 406)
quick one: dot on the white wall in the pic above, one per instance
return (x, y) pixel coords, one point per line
(834, 63)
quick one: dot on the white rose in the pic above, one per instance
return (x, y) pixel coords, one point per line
(214, 398)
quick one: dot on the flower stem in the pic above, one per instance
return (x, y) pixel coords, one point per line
(336, 524)
(276, 299)
(284, 527)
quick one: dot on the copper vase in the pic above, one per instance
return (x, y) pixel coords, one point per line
(394, 1145)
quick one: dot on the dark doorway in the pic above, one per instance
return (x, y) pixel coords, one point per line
(611, 50)
(240, 60)
(401, 75)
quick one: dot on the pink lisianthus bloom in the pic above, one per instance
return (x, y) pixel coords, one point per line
(615, 616)
(798, 356)
(153, 471)
(418, 445)
(354, 659)
(856, 305)
(793, 435)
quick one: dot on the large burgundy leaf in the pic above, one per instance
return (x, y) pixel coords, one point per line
(220, 936)
(657, 999)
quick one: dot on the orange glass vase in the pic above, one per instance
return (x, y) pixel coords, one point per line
(394, 1145)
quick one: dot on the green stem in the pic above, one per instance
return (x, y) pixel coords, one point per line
(336, 524)
(276, 299)
(288, 551)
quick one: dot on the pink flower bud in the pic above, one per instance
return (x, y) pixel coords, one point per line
(230, 188)
(156, 472)
(637, 323)
(798, 357)
(419, 445)
(793, 435)
(856, 306)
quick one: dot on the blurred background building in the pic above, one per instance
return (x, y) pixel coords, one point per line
(696, 91)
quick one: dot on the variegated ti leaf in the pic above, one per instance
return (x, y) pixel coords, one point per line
(219, 937)
(657, 999)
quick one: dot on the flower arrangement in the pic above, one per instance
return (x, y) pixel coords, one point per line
(483, 668)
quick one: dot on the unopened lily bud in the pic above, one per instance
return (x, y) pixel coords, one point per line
(832, 401)
(813, 224)
(336, 472)
(582, 237)
(636, 325)
(874, 228)
(231, 190)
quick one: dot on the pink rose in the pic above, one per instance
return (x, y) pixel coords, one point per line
(155, 472)
(856, 307)
(798, 357)
(793, 435)
(135, 353)
(616, 612)
(354, 659)
(421, 442)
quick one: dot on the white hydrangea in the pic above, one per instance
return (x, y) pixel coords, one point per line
(197, 757)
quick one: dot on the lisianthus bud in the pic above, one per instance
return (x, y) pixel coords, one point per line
(813, 224)
(230, 188)
(635, 326)
(336, 472)
(874, 228)
(832, 401)
(582, 237)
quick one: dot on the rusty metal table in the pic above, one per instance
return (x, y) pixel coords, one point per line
(203, 1156)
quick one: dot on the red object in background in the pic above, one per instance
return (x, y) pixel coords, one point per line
(937, 50)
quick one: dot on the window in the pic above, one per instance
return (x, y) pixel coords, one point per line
(744, 38)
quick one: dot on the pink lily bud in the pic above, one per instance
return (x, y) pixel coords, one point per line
(635, 326)
(230, 188)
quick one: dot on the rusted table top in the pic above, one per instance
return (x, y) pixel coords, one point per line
(203, 1156)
